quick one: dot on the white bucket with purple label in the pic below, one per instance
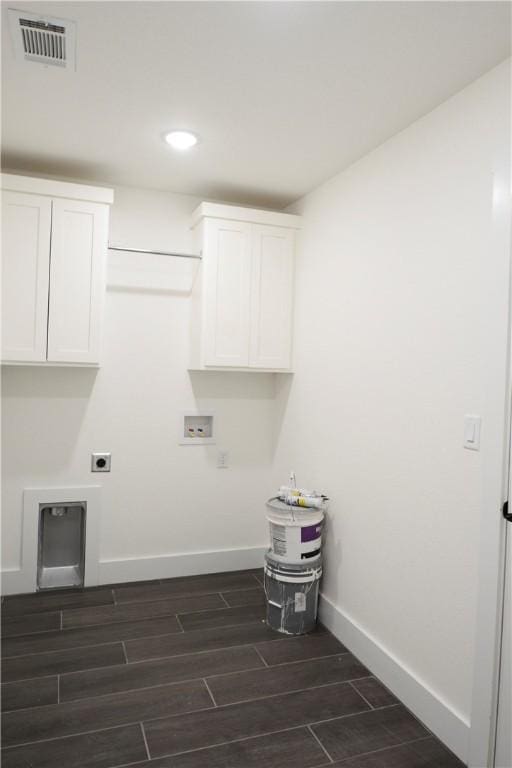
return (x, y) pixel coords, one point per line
(295, 532)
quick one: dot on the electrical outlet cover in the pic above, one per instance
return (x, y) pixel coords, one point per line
(222, 460)
(100, 462)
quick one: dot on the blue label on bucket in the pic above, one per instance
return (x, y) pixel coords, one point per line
(311, 532)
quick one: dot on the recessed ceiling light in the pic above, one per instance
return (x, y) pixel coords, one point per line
(181, 139)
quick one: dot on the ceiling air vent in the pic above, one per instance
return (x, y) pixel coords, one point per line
(43, 39)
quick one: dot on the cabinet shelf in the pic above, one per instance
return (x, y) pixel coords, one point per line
(225, 369)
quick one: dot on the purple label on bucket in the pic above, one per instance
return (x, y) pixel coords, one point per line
(310, 532)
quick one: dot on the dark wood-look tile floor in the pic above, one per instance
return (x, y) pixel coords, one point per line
(184, 673)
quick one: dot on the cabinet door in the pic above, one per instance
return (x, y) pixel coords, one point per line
(272, 292)
(26, 224)
(77, 284)
(227, 261)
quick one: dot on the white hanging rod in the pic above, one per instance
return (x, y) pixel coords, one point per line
(155, 253)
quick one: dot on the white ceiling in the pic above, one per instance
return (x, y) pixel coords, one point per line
(283, 94)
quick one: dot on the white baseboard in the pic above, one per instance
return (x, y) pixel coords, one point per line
(160, 567)
(187, 564)
(13, 581)
(447, 724)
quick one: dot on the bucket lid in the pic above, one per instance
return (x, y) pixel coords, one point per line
(284, 514)
(278, 506)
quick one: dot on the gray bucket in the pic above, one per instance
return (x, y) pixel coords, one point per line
(292, 595)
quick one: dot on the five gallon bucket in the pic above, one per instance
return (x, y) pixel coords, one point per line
(295, 532)
(292, 594)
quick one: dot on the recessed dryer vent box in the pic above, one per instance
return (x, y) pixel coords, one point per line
(61, 552)
(197, 428)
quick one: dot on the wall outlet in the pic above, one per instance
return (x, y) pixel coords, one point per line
(100, 462)
(222, 460)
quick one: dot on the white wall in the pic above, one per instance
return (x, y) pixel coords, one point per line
(400, 331)
(160, 498)
(400, 323)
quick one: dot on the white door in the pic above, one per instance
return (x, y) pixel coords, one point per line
(79, 238)
(272, 292)
(503, 758)
(227, 293)
(26, 225)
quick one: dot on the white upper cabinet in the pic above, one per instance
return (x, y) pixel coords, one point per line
(26, 222)
(271, 300)
(54, 242)
(77, 280)
(242, 298)
(227, 289)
